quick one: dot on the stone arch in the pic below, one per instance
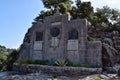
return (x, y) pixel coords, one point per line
(72, 46)
(73, 34)
(38, 43)
(39, 36)
(72, 43)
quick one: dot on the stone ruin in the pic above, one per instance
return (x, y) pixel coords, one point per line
(58, 36)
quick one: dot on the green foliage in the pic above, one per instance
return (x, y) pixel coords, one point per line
(97, 78)
(43, 14)
(42, 62)
(63, 7)
(94, 20)
(108, 15)
(74, 65)
(25, 61)
(61, 62)
(28, 61)
(86, 65)
(4, 54)
(53, 4)
(54, 75)
(90, 38)
(12, 57)
(83, 10)
(86, 10)
(78, 65)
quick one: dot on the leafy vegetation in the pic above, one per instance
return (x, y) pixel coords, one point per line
(97, 78)
(27, 61)
(90, 38)
(61, 62)
(54, 75)
(78, 65)
(62, 5)
(81, 10)
(107, 18)
(7, 57)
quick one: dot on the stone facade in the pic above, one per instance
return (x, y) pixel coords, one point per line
(58, 36)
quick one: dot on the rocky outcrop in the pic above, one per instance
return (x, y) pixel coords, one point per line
(110, 55)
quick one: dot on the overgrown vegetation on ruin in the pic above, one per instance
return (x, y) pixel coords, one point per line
(105, 16)
(60, 62)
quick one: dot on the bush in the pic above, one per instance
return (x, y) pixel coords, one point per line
(90, 38)
(12, 57)
(78, 65)
(26, 61)
(86, 65)
(54, 75)
(74, 65)
(97, 78)
(42, 62)
(61, 62)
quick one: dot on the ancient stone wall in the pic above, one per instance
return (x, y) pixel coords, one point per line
(58, 36)
(94, 55)
(68, 71)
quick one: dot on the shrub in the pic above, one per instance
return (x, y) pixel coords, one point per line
(78, 65)
(42, 62)
(54, 75)
(86, 65)
(61, 62)
(74, 65)
(90, 38)
(97, 78)
(12, 57)
(25, 61)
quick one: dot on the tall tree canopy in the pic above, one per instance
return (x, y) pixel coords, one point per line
(108, 15)
(81, 9)
(85, 9)
(4, 53)
(63, 5)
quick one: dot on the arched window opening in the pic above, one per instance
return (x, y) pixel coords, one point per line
(39, 36)
(72, 44)
(38, 44)
(54, 33)
(73, 35)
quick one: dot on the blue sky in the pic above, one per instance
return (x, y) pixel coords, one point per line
(16, 17)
